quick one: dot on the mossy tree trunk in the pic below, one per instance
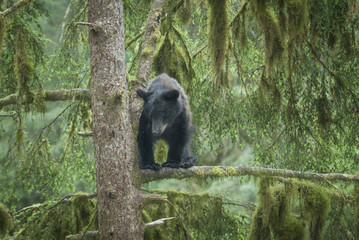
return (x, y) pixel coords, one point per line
(117, 192)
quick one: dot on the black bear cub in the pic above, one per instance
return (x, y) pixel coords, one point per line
(166, 115)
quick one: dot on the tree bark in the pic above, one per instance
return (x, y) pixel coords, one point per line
(118, 197)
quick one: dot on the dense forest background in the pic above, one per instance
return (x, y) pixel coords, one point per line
(271, 84)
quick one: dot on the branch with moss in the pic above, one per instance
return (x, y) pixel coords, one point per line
(203, 172)
(151, 37)
(52, 95)
(14, 7)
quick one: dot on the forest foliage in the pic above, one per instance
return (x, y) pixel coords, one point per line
(279, 78)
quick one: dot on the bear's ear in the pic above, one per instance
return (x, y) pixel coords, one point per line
(142, 93)
(172, 94)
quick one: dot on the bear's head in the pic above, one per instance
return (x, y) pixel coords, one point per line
(161, 107)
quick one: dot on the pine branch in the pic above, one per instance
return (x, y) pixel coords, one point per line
(14, 7)
(52, 95)
(203, 172)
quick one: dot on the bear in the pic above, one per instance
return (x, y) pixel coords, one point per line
(166, 115)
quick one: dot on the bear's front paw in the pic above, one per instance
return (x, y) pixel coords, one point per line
(154, 166)
(186, 164)
(171, 165)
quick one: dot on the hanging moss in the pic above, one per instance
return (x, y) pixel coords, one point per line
(260, 221)
(19, 137)
(171, 58)
(6, 221)
(347, 43)
(273, 40)
(23, 68)
(218, 38)
(238, 27)
(197, 216)
(151, 233)
(185, 12)
(160, 151)
(86, 116)
(39, 101)
(284, 224)
(356, 207)
(297, 17)
(353, 6)
(68, 217)
(324, 113)
(2, 32)
(316, 206)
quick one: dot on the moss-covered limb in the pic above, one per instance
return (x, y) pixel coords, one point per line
(14, 7)
(148, 199)
(158, 222)
(151, 37)
(90, 235)
(52, 95)
(242, 170)
(7, 115)
(37, 206)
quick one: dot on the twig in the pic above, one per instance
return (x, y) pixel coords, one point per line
(92, 26)
(7, 115)
(332, 185)
(157, 223)
(199, 51)
(85, 134)
(247, 206)
(14, 8)
(64, 199)
(129, 42)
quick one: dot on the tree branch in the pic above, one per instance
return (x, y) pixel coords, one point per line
(157, 223)
(90, 235)
(203, 172)
(52, 95)
(14, 7)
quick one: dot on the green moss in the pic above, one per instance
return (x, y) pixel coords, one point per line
(39, 101)
(160, 151)
(86, 116)
(316, 205)
(6, 221)
(297, 16)
(2, 32)
(197, 216)
(56, 222)
(232, 171)
(24, 69)
(146, 52)
(185, 12)
(356, 207)
(117, 97)
(218, 38)
(172, 58)
(19, 137)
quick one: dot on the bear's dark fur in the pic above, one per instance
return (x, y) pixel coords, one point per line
(166, 115)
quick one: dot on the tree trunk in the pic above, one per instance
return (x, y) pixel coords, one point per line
(118, 197)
